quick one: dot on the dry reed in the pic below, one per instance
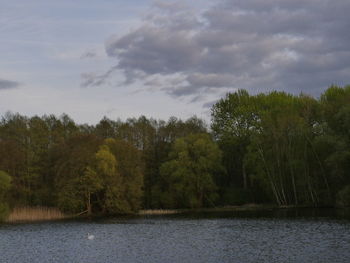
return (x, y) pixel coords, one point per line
(29, 214)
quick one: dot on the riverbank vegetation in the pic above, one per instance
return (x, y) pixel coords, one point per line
(264, 148)
(31, 214)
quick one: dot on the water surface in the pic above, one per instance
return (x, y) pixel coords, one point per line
(192, 238)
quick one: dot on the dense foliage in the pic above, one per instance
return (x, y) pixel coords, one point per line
(188, 175)
(276, 147)
(292, 150)
(5, 183)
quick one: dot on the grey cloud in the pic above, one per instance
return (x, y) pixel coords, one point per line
(153, 82)
(88, 79)
(291, 45)
(88, 54)
(153, 50)
(182, 17)
(171, 7)
(210, 80)
(8, 84)
(91, 79)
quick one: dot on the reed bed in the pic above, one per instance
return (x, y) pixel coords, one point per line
(30, 214)
(159, 212)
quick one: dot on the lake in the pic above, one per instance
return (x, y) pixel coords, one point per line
(268, 236)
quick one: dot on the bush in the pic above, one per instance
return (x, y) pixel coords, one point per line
(343, 197)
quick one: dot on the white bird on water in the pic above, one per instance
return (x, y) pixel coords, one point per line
(90, 237)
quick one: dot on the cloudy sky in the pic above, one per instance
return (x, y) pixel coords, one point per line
(114, 58)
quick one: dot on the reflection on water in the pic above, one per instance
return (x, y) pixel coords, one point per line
(291, 236)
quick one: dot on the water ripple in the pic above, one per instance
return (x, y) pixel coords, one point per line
(178, 240)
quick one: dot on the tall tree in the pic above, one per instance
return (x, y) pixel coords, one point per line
(124, 188)
(189, 174)
(333, 141)
(74, 179)
(234, 120)
(5, 184)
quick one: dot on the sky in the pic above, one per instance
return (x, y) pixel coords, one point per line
(121, 59)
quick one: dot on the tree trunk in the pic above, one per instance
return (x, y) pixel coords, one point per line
(88, 204)
(322, 170)
(244, 173)
(290, 156)
(294, 188)
(274, 189)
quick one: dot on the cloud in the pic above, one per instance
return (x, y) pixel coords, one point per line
(291, 45)
(8, 84)
(88, 54)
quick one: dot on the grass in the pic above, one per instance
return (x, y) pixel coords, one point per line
(31, 214)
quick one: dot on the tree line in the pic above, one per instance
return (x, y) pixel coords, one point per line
(265, 148)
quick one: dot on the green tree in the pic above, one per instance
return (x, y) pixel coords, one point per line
(343, 197)
(268, 141)
(123, 189)
(277, 144)
(165, 135)
(234, 120)
(333, 141)
(15, 155)
(75, 178)
(106, 128)
(5, 184)
(189, 174)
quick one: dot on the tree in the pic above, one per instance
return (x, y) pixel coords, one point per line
(105, 128)
(343, 197)
(333, 142)
(189, 173)
(268, 139)
(5, 184)
(277, 147)
(277, 144)
(75, 179)
(234, 120)
(123, 189)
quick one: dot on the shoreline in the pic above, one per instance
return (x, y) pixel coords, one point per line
(50, 217)
(233, 208)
